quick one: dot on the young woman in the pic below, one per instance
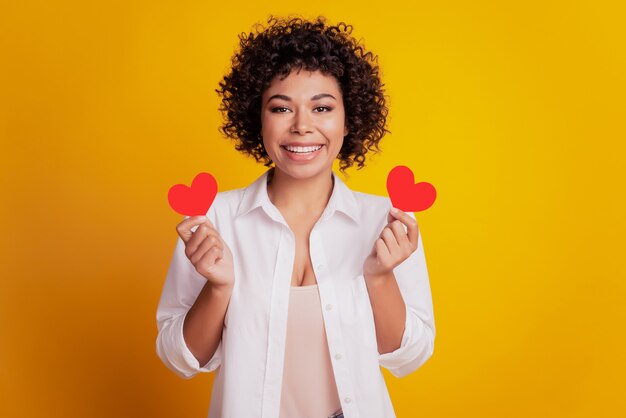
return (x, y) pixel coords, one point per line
(295, 289)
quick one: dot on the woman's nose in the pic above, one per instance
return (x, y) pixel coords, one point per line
(301, 123)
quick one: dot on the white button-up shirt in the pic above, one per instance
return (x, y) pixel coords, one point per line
(249, 359)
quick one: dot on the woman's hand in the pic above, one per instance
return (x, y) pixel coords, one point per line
(394, 245)
(206, 250)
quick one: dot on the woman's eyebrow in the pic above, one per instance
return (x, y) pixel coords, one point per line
(288, 99)
(322, 95)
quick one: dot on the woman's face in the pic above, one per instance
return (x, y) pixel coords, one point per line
(303, 123)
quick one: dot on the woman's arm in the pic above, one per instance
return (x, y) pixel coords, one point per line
(389, 311)
(195, 299)
(398, 285)
(202, 328)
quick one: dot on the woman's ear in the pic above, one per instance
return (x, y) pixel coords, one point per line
(345, 131)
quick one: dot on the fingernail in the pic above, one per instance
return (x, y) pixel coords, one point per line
(395, 210)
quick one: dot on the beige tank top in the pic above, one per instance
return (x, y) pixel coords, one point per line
(309, 389)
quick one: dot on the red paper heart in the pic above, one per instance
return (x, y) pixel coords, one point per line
(195, 200)
(407, 196)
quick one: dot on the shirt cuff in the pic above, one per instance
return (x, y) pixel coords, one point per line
(173, 350)
(416, 347)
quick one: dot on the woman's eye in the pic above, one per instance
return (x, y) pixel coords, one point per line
(318, 109)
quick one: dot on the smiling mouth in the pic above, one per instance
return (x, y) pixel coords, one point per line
(302, 150)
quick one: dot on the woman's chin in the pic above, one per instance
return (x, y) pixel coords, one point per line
(302, 171)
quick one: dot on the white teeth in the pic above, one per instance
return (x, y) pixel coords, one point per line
(303, 150)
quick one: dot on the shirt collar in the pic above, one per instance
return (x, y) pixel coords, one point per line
(255, 195)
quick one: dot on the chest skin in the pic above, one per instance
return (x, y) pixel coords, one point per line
(303, 274)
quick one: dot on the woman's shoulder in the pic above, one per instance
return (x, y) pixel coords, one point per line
(229, 197)
(372, 206)
(371, 199)
(225, 204)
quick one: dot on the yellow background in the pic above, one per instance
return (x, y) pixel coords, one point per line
(515, 112)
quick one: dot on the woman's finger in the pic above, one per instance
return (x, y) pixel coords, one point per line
(208, 243)
(389, 239)
(400, 232)
(209, 259)
(202, 232)
(382, 252)
(184, 227)
(411, 225)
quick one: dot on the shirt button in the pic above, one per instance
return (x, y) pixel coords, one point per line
(329, 307)
(338, 356)
(320, 267)
(347, 400)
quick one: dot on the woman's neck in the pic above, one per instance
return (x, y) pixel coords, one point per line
(297, 196)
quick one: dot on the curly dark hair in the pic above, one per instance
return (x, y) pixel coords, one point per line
(294, 44)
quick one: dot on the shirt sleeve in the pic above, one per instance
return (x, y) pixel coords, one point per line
(418, 340)
(182, 286)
